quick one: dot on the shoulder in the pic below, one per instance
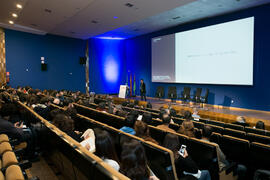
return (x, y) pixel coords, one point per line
(112, 163)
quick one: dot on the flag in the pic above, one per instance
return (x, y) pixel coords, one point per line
(134, 86)
(130, 88)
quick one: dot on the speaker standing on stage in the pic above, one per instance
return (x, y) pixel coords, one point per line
(142, 90)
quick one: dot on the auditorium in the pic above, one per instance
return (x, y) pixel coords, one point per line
(134, 90)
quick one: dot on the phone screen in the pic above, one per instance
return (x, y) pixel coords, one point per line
(182, 150)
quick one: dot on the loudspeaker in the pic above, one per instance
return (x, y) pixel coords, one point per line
(43, 67)
(82, 60)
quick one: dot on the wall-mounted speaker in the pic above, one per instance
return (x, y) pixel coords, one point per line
(44, 67)
(82, 60)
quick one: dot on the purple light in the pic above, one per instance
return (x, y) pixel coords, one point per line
(115, 17)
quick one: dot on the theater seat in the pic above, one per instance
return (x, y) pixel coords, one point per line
(255, 131)
(2, 176)
(4, 147)
(234, 133)
(9, 159)
(216, 123)
(235, 149)
(157, 134)
(215, 137)
(198, 125)
(259, 155)
(234, 126)
(216, 129)
(4, 138)
(14, 172)
(258, 138)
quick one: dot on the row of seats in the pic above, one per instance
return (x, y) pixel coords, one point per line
(9, 164)
(71, 159)
(196, 146)
(237, 149)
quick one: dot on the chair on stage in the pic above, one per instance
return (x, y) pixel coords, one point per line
(197, 96)
(160, 92)
(185, 94)
(204, 99)
(172, 93)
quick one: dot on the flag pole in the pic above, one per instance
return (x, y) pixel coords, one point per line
(87, 69)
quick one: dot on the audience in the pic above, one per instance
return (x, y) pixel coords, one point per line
(105, 149)
(134, 162)
(183, 163)
(142, 131)
(187, 128)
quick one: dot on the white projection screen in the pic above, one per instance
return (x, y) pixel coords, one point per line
(217, 54)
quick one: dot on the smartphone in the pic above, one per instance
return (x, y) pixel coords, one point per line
(182, 150)
(140, 117)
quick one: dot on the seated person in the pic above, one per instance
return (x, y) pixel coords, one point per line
(149, 105)
(142, 131)
(43, 107)
(66, 124)
(187, 115)
(147, 118)
(101, 107)
(134, 162)
(240, 169)
(105, 148)
(260, 125)
(166, 119)
(187, 128)
(183, 162)
(195, 115)
(130, 121)
(240, 120)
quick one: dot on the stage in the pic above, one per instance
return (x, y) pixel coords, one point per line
(250, 113)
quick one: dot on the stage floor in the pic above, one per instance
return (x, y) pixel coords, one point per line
(156, 104)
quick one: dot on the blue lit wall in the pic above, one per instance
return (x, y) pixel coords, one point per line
(106, 65)
(138, 55)
(23, 52)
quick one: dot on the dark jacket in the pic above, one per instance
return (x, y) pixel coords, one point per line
(185, 164)
(142, 88)
(8, 128)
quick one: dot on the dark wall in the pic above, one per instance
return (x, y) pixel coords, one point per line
(138, 57)
(23, 53)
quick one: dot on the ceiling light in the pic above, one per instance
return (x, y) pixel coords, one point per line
(115, 17)
(14, 15)
(11, 22)
(19, 6)
(129, 5)
(94, 22)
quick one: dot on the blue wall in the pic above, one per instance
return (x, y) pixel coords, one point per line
(107, 68)
(23, 51)
(138, 56)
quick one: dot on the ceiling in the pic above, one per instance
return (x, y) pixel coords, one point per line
(111, 18)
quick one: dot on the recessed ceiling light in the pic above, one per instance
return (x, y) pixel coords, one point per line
(14, 15)
(94, 22)
(48, 10)
(19, 6)
(129, 5)
(115, 17)
(11, 22)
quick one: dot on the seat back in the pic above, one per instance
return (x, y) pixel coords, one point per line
(204, 99)
(216, 123)
(215, 137)
(254, 130)
(204, 154)
(172, 92)
(234, 133)
(14, 172)
(259, 156)
(178, 120)
(157, 134)
(198, 125)
(198, 94)
(216, 129)
(160, 92)
(235, 149)
(258, 138)
(234, 126)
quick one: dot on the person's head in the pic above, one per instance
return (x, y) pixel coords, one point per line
(161, 113)
(147, 118)
(260, 125)
(130, 120)
(141, 80)
(207, 132)
(102, 105)
(171, 142)
(187, 115)
(141, 129)
(56, 101)
(134, 161)
(32, 100)
(240, 119)
(149, 105)
(45, 100)
(8, 110)
(166, 119)
(105, 146)
(53, 113)
(63, 122)
(187, 128)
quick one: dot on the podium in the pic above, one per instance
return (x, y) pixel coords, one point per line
(123, 91)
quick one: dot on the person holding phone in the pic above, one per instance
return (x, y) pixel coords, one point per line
(183, 162)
